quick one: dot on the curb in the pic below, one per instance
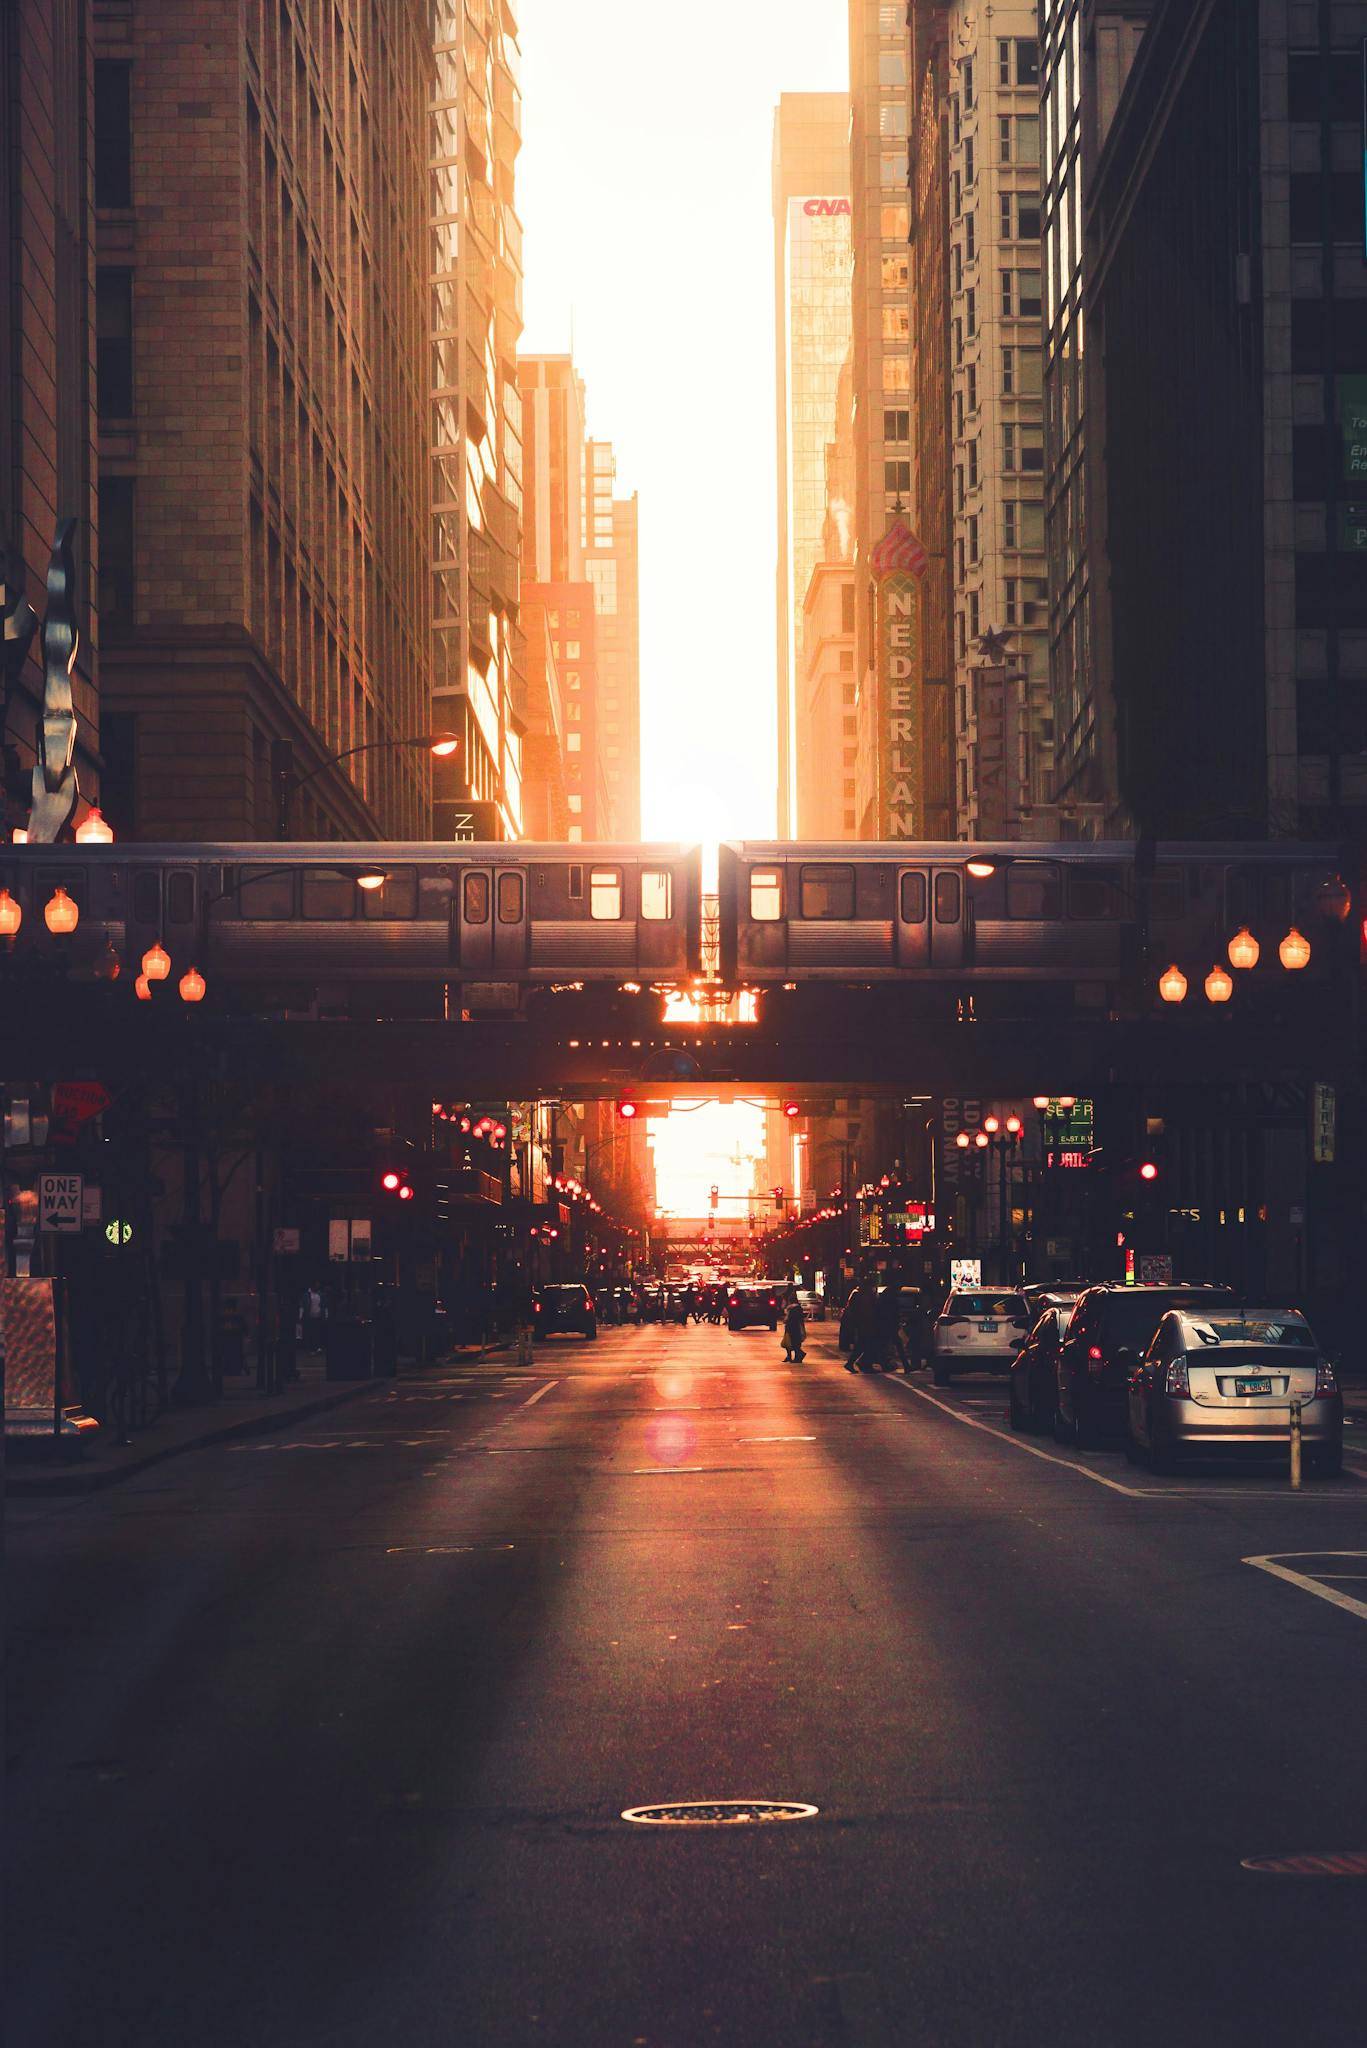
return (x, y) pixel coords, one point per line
(19, 1486)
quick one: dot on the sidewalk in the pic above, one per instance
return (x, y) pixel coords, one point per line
(242, 1411)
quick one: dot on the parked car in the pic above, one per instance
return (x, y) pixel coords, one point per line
(977, 1331)
(1216, 1380)
(1033, 1380)
(564, 1306)
(752, 1305)
(812, 1304)
(1111, 1329)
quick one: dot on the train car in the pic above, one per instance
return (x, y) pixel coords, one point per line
(1017, 911)
(334, 911)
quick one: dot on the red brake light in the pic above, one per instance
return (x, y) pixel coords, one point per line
(1094, 1360)
(1175, 1381)
(1325, 1382)
(1093, 1351)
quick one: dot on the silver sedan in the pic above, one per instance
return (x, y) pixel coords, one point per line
(1224, 1381)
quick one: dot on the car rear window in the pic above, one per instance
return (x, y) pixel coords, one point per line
(1011, 1306)
(1255, 1331)
(1132, 1318)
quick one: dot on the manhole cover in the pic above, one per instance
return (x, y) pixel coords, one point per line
(717, 1813)
(1327, 1863)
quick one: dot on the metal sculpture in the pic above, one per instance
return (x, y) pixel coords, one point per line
(54, 771)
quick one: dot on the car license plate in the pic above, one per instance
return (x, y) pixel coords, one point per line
(989, 1329)
(1253, 1386)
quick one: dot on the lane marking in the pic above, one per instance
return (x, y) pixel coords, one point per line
(1307, 1584)
(778, 1439)
(534, 1398)
(1115, 1485)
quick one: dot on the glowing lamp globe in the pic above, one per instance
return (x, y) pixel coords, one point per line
(192, 986)
(1294, 951)
(142, 989)
(11, 915)
(1243, 949)
(963, 1141)
(1219, 986)
(1172, 986)
(981, 869)
(93, 830)
(1013, 1125)
(992, 1125)
(60, 913)
(1040, 1101)
(981, 1140)
(156, 962)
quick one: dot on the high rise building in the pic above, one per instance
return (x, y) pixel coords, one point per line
(1003, 712)
(476, 417)
(811, 207)
(50, 145)
(541, 714)
(611, 562)
(827, 728)
(580, 569)
(1086, 50)
(262, 377)
(904, 786)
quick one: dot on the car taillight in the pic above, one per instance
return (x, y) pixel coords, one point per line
(1095, 1360)
(1325, 1381)
(1175, 1381)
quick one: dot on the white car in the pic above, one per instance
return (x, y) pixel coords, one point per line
(977, 1330)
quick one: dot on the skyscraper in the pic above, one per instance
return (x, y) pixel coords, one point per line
(812, 327)
(611, 564)
(476, 417)
(263, 384)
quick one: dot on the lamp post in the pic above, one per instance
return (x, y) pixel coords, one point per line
(439, 744)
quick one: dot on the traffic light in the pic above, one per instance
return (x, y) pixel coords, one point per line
(626, 1109)
(1148, 1170)
(714, 1195)
(792, 1109)
(390, 1181)
(396, 1184)
(778, 1198)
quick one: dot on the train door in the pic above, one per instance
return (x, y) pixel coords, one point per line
(930, 917)
(510, 919)
(474, 913)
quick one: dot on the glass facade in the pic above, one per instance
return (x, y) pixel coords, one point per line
(816, 342)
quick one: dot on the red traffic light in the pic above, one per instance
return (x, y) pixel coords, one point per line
(1148, 1171)
(389, 1181)
(792, 1109)
(626, 1109)
(405, 1193)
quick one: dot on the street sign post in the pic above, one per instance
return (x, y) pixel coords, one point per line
(59, 1202)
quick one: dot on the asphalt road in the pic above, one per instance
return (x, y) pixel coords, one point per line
(321, 1740)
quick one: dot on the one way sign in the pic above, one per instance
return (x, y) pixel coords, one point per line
(59, 1201)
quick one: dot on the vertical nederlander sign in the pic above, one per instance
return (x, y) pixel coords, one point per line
(898, 564)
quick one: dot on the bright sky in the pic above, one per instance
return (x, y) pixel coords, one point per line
(643, 188)
(696, 1150)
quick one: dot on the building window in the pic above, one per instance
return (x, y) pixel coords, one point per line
(894, 273)
(974, 615)
(571, 650)
(574, 742)
(850, 728)
(605, 893)
(959, 415)
(1017, 61)
(116, 552)
(894, 223)
(972, 381)
(113, 136)
(576, 834)
(958, 342)
(114, 343)
(973, 463)
(897, 372)
(971, 313)
(973, 528)
(576, 803)
(846, 608)
(892, 68)
(968, 85)
(955, 121)
(1018, 139)
(897, 478)
(1020, 294)
(892, 170)
(970, 237)
(897, 322)
(958, 487)
(970, 163)
(892, 117)
(897, 426)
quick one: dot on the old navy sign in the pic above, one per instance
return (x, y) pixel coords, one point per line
(814, 206)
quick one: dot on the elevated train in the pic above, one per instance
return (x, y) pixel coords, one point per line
(860, 912)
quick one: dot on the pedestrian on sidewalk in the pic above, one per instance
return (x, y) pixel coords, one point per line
(794, 1329)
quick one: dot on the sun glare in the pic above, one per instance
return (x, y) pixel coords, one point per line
(696, 1150)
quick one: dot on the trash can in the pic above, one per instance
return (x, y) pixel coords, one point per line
(348, 1348)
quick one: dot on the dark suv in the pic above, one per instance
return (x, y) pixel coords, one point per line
(746, 1305)
(566, 1305)
(1111, 1329)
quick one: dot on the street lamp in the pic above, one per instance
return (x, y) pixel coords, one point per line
(1219, 986)
(1294, 951)
(60, 914)
(439, 744)
(1243, 949)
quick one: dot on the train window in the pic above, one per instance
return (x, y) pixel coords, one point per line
(1034, 889)
(180, 897)
(265, 893)
(146, 898)
(1166, 894)
(948, 898)
(399, 899)
(474, 897)
(1095, 892)
(327, 898)
(913, 896)
(434, 894)
(576, 884)
(827, 891)
(766, 895)
(605, 892)
(510, 899)
(657, 894)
